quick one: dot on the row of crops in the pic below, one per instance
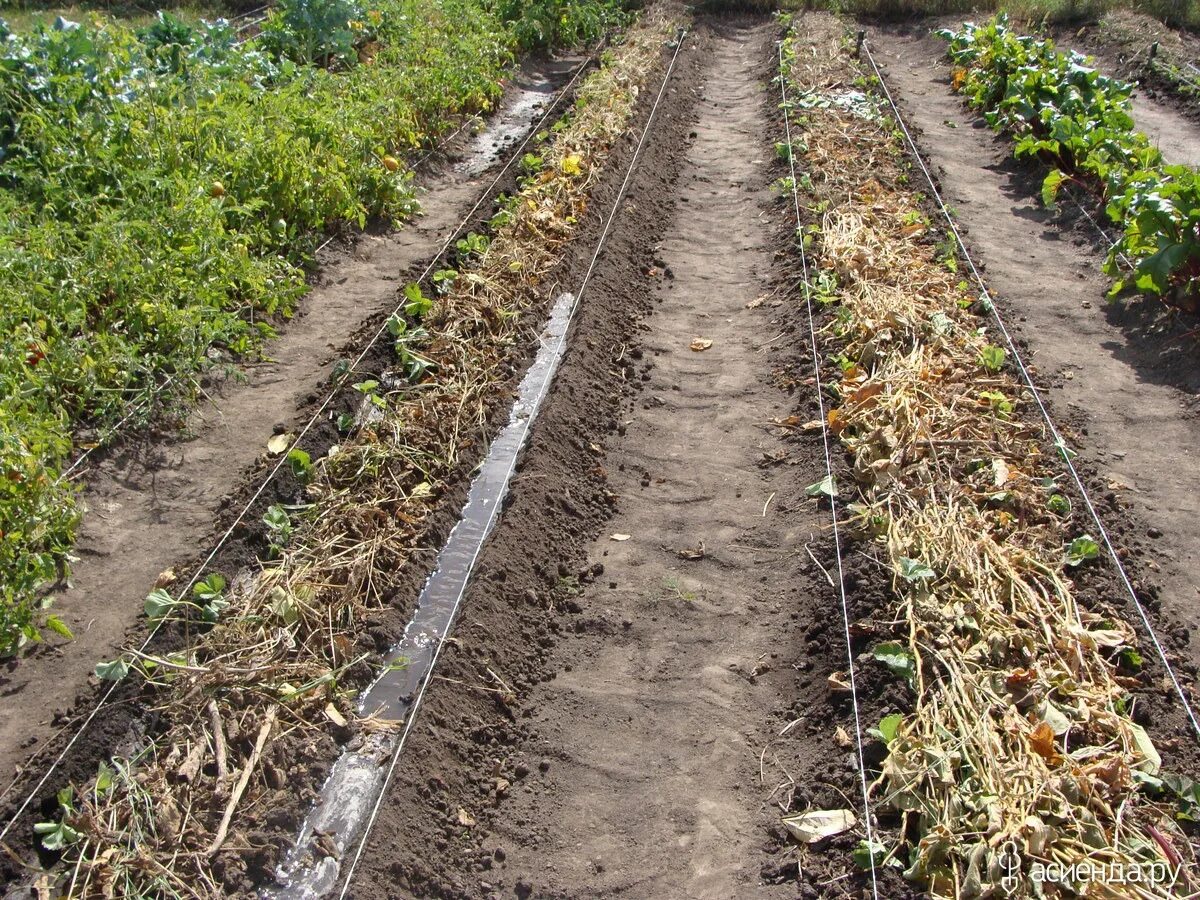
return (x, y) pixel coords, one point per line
(1018, 747)
(1068, 114)
(161, 191)
(284, 660)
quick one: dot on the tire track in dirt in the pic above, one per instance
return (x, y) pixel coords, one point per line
(1122, 381)
(597, 723)
(153, 502)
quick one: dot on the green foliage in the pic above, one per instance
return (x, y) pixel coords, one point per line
(1081, 549)
(59, 835)
(889, 727)
(992, 358)
(1065, 112)
(325, 32)
(546, 23)
(160, 192)
(279, 528)
(898, 660)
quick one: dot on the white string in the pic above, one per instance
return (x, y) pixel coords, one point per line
(134, 409)
(107, 695)
(537, 402)
(1058, 440)
(837, 540)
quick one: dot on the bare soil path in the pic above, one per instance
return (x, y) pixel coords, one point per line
(1122, 377)
(153, 503)
(648, 654)
(654, 734)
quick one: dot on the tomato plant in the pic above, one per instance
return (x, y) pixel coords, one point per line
(161, 192)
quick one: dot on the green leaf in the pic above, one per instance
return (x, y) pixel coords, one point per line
(1131, 659)
(898, 659)
(914, 569)
(300, 463)
(104, 779)
(210, 588)
(1059, 505)
(112, 671)
(992, 358)
(59, 627)
(159, 604)
(1050, 187)
(284, 607)
(826, 487)
(1081, 549)
(1155, 271)
(888, 728)
(56, 835)
(868, 854)
(418, 304)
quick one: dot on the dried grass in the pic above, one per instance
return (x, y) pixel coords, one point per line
(1020, 731)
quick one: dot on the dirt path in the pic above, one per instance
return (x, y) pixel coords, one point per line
(153, 504)
(653, 734)
(1119, 376)
(1175, 135)
(644, 669)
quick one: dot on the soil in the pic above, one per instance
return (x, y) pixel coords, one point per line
(159, 500)
(637, 685)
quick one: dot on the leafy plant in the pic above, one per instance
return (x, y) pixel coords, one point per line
(898, 660)
(210, 597)
(1081, 549)
(315, 31)
(888, 728)
(300, 464)
(992, 358)
(279, 528)
(1059, 505)
(914, 570)
(826, 487)
(1079, 121)
(59, 835)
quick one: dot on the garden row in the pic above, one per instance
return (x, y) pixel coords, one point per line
(161, 191)
(1068, 114)
(288, 647)
(1016, 740)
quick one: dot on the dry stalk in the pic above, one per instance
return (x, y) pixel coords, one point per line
(1021, 735)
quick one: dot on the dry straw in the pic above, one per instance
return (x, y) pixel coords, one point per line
(1020, 738)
